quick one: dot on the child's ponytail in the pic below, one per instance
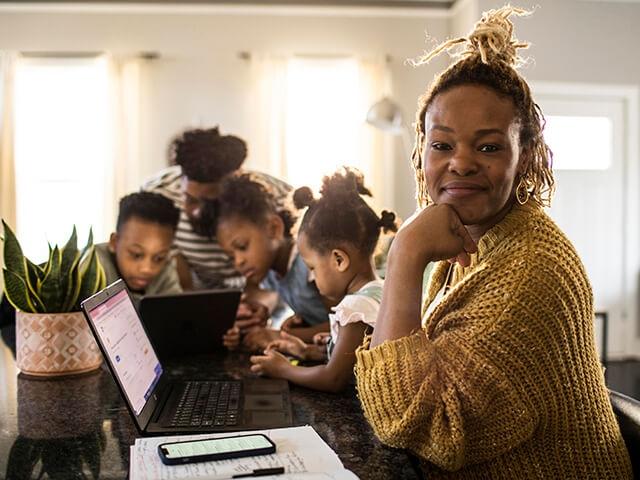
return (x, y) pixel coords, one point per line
(387, 221)
(303, 198)
(341, 216)
(346, 183)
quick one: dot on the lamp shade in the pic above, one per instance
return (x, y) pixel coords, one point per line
(386, 115)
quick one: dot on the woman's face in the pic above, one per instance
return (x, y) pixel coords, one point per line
(472, 154)
(253, 247)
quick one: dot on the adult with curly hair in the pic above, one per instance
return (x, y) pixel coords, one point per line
(203, 159)
(498, 377)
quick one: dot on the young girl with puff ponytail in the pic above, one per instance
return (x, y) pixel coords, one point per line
(336, 239)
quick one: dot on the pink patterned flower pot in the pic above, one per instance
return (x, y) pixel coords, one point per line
(51, 344)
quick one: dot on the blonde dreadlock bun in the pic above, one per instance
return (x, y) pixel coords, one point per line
(491, 39)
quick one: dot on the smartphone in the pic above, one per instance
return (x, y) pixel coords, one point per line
(189, 451)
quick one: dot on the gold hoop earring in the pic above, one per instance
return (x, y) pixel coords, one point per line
(522, 192)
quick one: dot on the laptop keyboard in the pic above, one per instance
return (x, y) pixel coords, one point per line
(206, 404)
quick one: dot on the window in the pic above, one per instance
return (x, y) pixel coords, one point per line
(61, 150)
(323, 118)
(307, 116)
(579, 143)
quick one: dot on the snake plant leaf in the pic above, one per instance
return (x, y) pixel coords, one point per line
(35, 273)
(14, 259)
(71, 302)
(51, 287)
(91, 276)
(103, 277)
(17, 292)
(73, 287)
(89, 241)
(69, 255)
(46, 268)
(84, 254)
(69, 252)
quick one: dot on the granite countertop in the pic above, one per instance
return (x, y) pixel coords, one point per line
(79, 427)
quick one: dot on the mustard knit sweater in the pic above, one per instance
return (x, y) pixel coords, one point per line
(503, 381)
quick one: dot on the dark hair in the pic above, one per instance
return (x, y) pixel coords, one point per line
(149, 206)
(206, 156)
(341, 216)
(248, 198)
(490, 59)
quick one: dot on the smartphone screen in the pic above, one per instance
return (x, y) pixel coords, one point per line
(216, 448)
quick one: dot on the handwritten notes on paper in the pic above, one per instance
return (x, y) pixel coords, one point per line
(300, 450)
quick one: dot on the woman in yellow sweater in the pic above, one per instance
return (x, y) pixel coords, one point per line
(500, 379)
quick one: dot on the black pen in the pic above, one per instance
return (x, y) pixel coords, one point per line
(260, 472)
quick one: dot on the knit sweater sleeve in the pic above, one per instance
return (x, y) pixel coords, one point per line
(439, 400)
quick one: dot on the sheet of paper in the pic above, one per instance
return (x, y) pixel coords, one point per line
(300, 450)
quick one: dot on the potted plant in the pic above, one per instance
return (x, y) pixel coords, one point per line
(52, 336)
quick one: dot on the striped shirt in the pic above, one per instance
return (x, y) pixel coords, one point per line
(210, 266)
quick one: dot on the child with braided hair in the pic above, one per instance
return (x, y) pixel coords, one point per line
(336, 239)
(496, 375)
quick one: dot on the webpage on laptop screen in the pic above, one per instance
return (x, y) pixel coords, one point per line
(128, 348)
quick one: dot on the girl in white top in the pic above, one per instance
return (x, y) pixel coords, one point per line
(336, 239)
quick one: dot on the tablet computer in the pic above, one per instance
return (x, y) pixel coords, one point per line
(189, 323)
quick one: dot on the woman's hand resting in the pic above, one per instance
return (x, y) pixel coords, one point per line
(435, 233)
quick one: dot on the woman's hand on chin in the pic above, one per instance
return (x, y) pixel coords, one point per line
(432, 234)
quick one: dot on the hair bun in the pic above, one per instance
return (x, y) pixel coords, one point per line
(206, 156)
(491, 39)
(303, 197)
(388, 221)
(346, 182)
(493, 36)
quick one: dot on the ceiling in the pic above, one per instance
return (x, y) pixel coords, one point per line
(439, 4)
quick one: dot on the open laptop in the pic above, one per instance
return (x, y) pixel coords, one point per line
(160, 405)
(190, 322)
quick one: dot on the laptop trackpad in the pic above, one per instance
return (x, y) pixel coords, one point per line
(267, 419)
(263, 402)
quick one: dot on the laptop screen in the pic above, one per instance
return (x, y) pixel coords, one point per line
(126, 344)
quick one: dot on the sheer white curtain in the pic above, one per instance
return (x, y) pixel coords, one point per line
(126, 76)
(308, 116)
(374, 144)
(7, 167)
(267, 114)
(75, 136)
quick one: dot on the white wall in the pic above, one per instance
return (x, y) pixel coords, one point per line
(464, 15)
(581, 40)
(199, 78)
